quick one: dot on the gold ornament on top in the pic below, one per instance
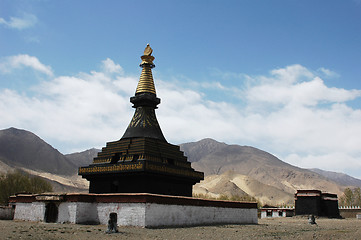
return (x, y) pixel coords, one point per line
(146, 83)
(148, 50)
(147, 57)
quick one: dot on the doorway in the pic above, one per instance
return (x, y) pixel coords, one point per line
(51, 212)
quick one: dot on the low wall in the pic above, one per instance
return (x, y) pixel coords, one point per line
(34, 211)
(158, 215)
(349, 212)
(6, 213)
(142, 210)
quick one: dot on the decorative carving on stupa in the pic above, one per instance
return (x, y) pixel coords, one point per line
(144, 122)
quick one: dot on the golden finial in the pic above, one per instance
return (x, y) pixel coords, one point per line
(148, 50)
(147, 58)
(146, 83)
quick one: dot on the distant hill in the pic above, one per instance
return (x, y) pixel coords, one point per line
(234, 184)
(21, 148)
(215, 158)
(24, 151)
(81, 159)
(229, 169)
(340, 178)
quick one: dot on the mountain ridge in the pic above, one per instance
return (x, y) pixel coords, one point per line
(256, 164)
(21, 148)
(340, 178)
(229, 169)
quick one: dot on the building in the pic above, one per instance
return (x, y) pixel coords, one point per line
(142, 161)
(274, 212)
(314, 202)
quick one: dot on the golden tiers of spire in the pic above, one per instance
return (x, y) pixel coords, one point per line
(146, 83)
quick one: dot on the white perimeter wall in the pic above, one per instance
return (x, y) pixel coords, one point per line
(139, 214)
(78, 212)
(175, 215)
(34, 211)
(158, 215)
(129, 214)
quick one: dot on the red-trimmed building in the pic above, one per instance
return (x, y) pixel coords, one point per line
(315, 202)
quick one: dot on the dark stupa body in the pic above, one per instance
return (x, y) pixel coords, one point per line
(142, 161)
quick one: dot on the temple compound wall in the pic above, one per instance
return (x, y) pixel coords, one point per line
(141, 210)
(6, 213)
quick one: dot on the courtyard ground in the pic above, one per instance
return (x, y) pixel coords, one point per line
(275, 228)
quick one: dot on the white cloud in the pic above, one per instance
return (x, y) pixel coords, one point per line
(110, 67)
(297, 86)
(80, 111)
(288, 75)
(8, 64)
(290, 113)
(328, 73)
(26, 21)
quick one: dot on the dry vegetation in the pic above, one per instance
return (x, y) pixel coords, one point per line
(276, 228)
(18, 182)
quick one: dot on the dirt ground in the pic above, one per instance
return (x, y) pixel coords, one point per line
(275, 228)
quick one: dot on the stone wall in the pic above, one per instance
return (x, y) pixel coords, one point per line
(6, 213)
(128, 214)
(349, 212)
(34, 211)
(150, 214)
(142, 210)
(158, 215)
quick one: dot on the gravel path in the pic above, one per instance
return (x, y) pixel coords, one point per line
(277, 228)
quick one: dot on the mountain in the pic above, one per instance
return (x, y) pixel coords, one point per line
(4, 168)
(340, 178)
(215, 158)
(24, 151)
(21, 148)
(233, 184)
(81, 159)
(229, 169)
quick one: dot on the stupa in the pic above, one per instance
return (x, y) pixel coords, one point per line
(140, 180)
(142, 161)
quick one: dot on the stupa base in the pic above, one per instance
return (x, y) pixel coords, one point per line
(141, 210)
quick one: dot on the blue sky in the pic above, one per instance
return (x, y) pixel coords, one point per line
(282, 76)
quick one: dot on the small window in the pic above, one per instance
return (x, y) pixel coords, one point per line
(269, 213)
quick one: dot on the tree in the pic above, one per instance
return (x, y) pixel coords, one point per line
(351, 197)
(357, 196)
(19, 182)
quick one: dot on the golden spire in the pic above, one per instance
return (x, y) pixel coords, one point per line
(146, 83)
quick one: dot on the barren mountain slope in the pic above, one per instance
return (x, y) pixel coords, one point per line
(242, 170)
(231, 184)
(81, 159)
(4, 168)
(254, 163)
(340, 178)
(20, 148)
(59, 183)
